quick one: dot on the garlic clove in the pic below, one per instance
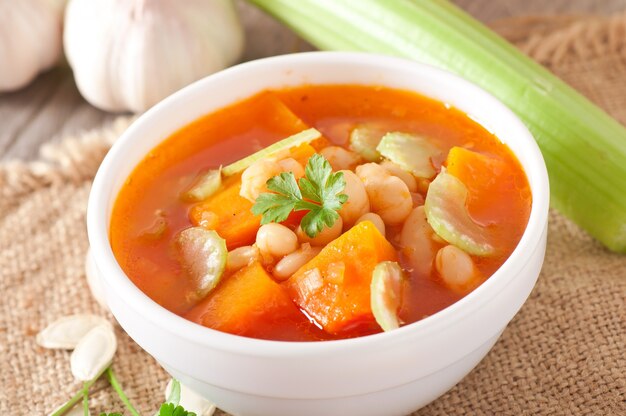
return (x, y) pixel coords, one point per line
(192, 401)
(30, 40)
(66, 332)
(130, 54)
(94, 353)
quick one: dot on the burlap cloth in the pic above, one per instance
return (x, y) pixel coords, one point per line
(563, 354)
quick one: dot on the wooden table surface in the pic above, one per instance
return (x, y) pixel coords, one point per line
(51, 106)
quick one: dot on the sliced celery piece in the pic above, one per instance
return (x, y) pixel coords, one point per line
(203, 256)
(386, 294)
(305, 136)
(205, 186)
(447, 215)
(411, 152)
(582, 145)
(364, 139)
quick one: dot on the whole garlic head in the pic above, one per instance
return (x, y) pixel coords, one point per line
(129, 54)
(30, 39)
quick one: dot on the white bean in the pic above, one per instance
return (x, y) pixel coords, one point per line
(276, 240)
(290, 264)
(340, 158)
(456, 268)
(406, 177)
(254, 178)
(374, 219)
(292, 165)
(324, 237)
(242, 257)
(416, 240)
(389, 197)
(358, 203)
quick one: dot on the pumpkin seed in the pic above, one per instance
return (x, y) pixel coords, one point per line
(93, 353)
(66, 332)
(192, 401)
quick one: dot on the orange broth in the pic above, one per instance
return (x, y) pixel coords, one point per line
(143, 247)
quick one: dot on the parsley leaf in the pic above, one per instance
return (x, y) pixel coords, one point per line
(318, 192)
(170, 409)
(276, 207)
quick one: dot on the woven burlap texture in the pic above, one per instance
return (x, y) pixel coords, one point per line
(563, 354)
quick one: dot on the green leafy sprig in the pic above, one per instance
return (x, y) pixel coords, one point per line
(169, 408)
(318, 192)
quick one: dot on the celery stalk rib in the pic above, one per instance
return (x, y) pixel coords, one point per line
(584, 148)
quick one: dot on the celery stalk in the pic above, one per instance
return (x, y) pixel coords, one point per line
(584, 148)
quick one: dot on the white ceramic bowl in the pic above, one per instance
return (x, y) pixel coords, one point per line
(392, 373)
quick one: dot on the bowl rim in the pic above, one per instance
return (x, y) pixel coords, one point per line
(98, 231)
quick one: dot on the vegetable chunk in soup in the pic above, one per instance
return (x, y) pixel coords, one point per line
(320, 212)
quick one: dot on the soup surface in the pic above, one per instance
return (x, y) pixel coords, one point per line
(427, 206)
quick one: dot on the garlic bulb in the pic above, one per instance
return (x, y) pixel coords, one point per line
(129, 54)
(30, 39)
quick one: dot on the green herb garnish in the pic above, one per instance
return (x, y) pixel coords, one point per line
(318, 192)
(169, 408)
